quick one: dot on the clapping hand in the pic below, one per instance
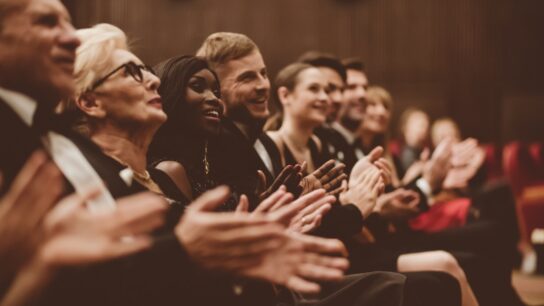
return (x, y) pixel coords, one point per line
(329, 177)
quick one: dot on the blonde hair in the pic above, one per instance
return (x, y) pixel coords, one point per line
(221, 47)
(380, 94)
(94, 59)
(94, 55)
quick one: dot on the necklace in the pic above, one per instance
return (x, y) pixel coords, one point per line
(205, 160)
(142, 176)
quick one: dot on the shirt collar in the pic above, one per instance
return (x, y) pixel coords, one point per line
(348, 135)
(21, 104)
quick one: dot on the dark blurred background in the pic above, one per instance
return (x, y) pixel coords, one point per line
(478, 61)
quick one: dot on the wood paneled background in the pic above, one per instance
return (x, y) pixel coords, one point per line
(479, 61)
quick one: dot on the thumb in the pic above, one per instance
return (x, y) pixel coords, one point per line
(424, 156)
(210, 200)
(375, 154)
(243, 204)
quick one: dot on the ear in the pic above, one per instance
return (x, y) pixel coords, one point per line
(283, 95)
(90, 105)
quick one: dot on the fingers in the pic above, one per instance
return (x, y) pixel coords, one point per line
(294, 184)
(144, 214)
(311, 208)
(324, 169)
(282, 202)
(337, 191)
(375, 154)
(124, 248)
(210, 200)
(424, 156)
(282, 178)
(303, 167)
(334, 177)
(243, 250)
(248, 234)
(386, 169)
(243, 204)
(29, 170)
(267, 203)
(303, 286)
(321, 245)
(314, 218)
(67, 207)
(39, 194)
(319, 272)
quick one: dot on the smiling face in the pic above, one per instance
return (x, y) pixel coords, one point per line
(245, 87)
(308, 102)
(37, 51)
(204, 106)
(123, 101)
(355, 98)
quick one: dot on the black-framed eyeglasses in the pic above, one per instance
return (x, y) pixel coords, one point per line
(136, 71)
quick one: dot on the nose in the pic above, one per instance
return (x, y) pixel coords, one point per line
(263, 83)
(324, 97)
(152, 81)
(361, 93)
(68, 38)
(211, 99)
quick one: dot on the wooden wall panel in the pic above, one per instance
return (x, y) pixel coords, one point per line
(461, 58)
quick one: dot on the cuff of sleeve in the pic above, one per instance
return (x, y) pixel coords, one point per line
(426, 189)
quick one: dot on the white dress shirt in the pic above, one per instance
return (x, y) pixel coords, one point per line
(66, 155)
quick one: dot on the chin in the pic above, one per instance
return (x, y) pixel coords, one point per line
(260, 114)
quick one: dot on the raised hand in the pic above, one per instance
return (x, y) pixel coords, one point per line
(34, 191)
(436, 169)
(364, 189)
(226, 241)
(416, 169)
(76, 236)
(302, 262)
(290, 177)
(467, 158)
(366, 162)
(302, 215)
(399, 205)
(329, 177)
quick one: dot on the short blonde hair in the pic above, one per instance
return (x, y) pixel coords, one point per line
(94, 55)
(221, 47)
(380, 94)
(94, 59)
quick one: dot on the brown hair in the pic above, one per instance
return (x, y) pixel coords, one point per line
(288, 78)
(353, 63)
(221, 47)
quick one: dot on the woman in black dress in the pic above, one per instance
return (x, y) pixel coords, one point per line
(192, 101)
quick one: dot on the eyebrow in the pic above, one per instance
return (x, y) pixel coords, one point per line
(245, 73)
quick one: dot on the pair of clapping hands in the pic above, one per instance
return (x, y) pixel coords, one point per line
(451, 166)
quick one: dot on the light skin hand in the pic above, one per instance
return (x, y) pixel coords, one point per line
(399, 205)
(364, 190)
(301, 262)
(301, 215)
(436, 169)
(23, 209)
